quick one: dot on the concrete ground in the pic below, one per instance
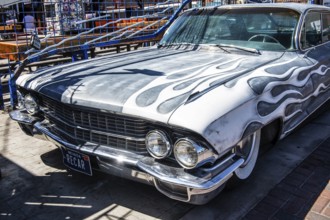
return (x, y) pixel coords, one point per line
(304, 193)
(36, 185)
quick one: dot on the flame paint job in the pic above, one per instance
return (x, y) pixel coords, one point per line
(214, 94)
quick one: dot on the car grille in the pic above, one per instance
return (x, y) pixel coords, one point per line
(80, 125)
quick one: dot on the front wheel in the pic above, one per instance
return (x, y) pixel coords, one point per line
(248, 149)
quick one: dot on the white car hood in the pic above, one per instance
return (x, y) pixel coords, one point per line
(149, 83)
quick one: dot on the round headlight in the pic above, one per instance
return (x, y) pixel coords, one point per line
(20, 101)
(186, 153)
(190, 155)
(158, 144)
(30, 104)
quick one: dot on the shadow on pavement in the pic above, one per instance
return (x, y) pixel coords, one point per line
(69, 195)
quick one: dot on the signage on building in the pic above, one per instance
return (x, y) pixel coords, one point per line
(35, 42)
(326, 3)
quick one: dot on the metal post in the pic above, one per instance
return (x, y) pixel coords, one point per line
(74, 57)
(12, 90)
(2, 105)
(85, 55)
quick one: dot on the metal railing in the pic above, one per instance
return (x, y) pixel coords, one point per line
(32, 30)
(77, 27)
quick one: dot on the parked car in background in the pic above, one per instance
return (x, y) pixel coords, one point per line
(194, 111)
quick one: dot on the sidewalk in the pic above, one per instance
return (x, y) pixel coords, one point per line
(304, 193)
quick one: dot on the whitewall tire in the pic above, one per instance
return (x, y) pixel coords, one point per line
(248, 149)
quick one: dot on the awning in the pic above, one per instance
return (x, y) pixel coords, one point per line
(6, 3)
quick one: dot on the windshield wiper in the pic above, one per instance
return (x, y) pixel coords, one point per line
(247, 49)
(176, 44)
(218, 46)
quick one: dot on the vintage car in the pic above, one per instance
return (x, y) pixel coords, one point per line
(191, 113)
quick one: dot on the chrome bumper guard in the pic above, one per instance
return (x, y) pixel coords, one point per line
(196, 190)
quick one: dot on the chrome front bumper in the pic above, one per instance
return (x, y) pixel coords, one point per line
(174, 182)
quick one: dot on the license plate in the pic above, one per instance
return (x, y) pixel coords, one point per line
(77, 161)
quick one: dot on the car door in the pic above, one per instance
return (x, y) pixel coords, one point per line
(315, 43)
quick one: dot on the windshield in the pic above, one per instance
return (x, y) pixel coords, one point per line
(258, 28)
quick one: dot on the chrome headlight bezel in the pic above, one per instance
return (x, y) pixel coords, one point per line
(200, 155)
(31, 104)
(167, 148)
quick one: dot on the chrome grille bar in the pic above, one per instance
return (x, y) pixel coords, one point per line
(113, 130)
(52, 116)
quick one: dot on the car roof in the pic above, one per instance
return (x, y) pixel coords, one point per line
(299, 7)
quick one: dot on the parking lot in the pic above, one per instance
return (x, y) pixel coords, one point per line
(36, 185)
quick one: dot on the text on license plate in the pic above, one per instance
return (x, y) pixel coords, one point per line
(77, 161)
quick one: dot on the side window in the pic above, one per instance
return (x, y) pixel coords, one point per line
(325, 27)
(311, 31)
